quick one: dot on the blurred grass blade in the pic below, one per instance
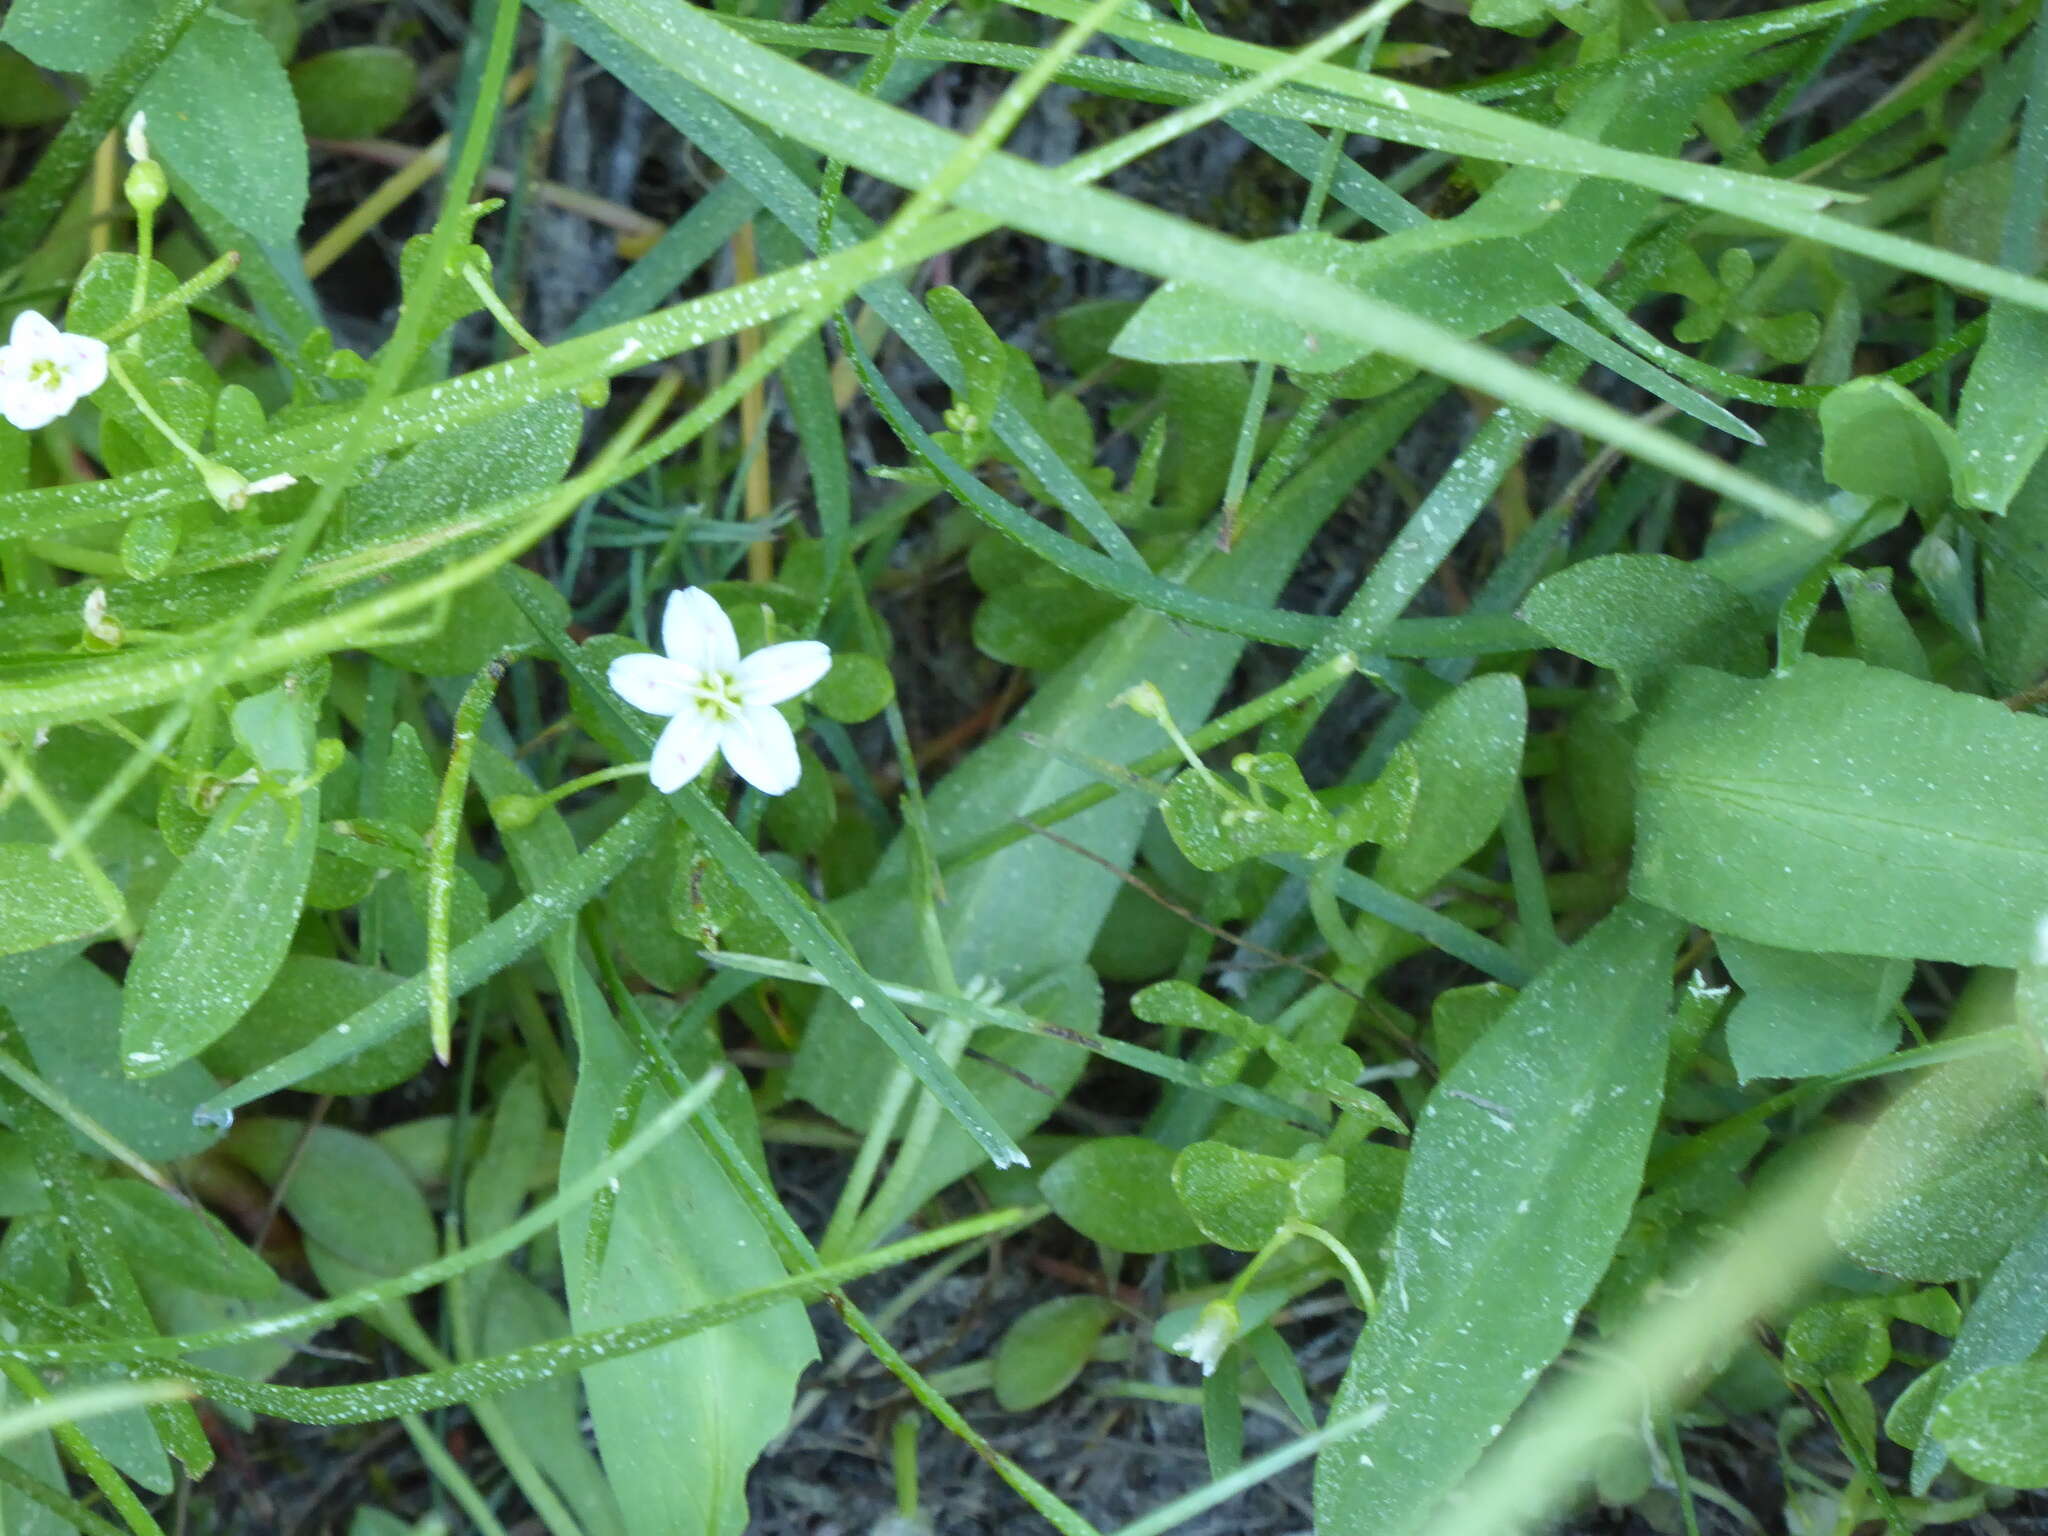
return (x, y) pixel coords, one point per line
(86, 1403)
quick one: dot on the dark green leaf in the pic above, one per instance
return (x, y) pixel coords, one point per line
(1118, 1190)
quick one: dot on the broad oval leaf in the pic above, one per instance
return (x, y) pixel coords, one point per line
(218, 932)
(345, 1192)
(309, 996)
(1044, 1350)
(1995, 1425)
(1526, 1163)
(1848, 809)
(1119, 1191)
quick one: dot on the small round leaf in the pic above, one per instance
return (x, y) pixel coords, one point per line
(857, 688)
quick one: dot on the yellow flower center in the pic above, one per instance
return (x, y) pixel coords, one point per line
(718, 695)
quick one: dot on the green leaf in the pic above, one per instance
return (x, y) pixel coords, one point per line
(162, 358)
(677, 1427)
(1217, 827)
(71, 1019)
(241, 149)
(1638, 616)
(27, 100)
(346, 1192)
(503, 1171)
(1460, 1016)
(2002, 426)
(1045, 1348)
(309, 996)
(1240, 1199)
(2007, 1324)
(858, 687)
(180, 1243)
(1949, 1174)
(1118, 1190)
(275, 728)
(2015, 607)
(1840, 1338)
(219, 931)
(353, 93)
(1878, 440)
(1846, 809)
(1029, 910)
(1995, 1425)
(547, 1417)
(1526, 1163)
(1466, 755)
(1806, 1015)
(453, 295)
(44, 900)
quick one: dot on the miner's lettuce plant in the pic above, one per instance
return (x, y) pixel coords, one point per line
(456, 821)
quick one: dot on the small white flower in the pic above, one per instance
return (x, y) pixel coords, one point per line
(715, 700)
(138, 136)
(1214, 1332)
(98, 623)
(232, 490)
(44, 371)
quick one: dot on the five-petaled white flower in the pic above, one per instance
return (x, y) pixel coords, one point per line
(715, 700)
(44, 371)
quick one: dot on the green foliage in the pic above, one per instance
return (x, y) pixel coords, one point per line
(1380, 829)
(353, 93)
(1045, 1349)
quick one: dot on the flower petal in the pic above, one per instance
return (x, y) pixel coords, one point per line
(26, 404)
(696, 632)
(684, 747)
(84, 361)
(762, 750)
(32, 333)
(778, 672)
(646, 681)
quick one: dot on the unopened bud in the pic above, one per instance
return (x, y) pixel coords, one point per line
(147, 188)
(513, 812)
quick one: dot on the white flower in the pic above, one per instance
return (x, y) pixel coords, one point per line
(1214, 1332)
(232, 490)
(138, 136)
(98, 623)
(44, 371)
(717, 702)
